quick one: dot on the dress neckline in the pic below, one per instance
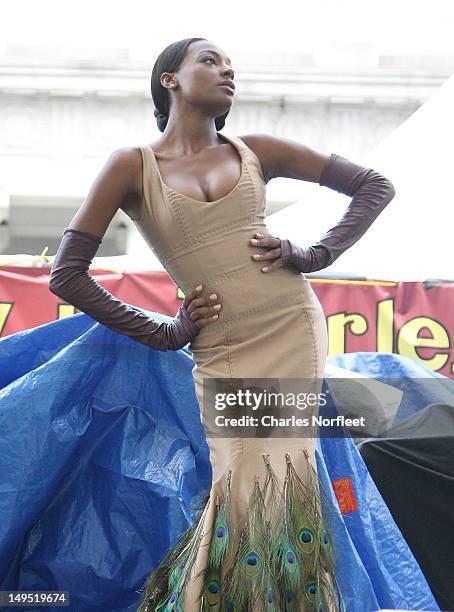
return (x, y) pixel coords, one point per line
(182, 195)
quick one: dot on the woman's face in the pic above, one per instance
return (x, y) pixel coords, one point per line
(200, 75)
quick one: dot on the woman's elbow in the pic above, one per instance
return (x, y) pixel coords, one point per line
(391, 191)
(54, 285)
(58, 284)
(385, 190)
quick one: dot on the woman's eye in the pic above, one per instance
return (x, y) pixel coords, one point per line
(208, 58)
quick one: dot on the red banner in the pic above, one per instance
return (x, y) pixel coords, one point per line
(408, 318)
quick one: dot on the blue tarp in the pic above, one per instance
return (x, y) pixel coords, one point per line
(104, 462)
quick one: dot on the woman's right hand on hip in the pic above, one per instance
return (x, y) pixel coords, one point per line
(202, 310)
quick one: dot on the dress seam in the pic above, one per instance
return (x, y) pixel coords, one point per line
(214, 329)
(229, 363)
(269, 304)
(310, 321)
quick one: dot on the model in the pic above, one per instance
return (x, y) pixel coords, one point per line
(261, 541)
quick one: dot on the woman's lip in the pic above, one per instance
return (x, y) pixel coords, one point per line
(228, 87)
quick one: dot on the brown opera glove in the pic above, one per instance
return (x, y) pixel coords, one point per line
(371, 192)
(71, 281)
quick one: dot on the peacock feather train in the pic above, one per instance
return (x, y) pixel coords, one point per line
(280, 557)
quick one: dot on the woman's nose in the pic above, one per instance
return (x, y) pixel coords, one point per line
(229, 71)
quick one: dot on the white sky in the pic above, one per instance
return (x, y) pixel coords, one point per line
(147, 26)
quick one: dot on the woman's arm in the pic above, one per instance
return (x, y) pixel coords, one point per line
(287, 158)
(371, 193)
(71, 281)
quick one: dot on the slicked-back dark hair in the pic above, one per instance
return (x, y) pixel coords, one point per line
(169, 60)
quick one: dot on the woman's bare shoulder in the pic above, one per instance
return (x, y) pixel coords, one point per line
(127, 161)
(259, 144)
(285, 157)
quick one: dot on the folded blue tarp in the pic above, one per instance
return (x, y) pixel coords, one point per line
(104, 462)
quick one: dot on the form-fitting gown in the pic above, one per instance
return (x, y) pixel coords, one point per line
(271, 326)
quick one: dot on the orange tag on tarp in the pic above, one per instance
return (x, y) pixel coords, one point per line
(345, 496)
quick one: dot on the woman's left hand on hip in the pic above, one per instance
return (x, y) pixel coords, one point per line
(269, 242)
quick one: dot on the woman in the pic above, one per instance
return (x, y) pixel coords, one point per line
(198, 198)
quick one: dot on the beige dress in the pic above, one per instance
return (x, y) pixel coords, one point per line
(271, 326)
